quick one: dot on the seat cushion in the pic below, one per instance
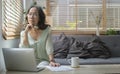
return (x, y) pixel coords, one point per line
(90, 61)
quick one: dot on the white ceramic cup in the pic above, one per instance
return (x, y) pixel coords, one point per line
(74, 62)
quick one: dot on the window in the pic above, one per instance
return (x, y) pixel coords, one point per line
(11, 18)
(83, 15)
(113, 14)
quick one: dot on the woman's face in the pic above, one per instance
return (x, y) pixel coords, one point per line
(33, 16)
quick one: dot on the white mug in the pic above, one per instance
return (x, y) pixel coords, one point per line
(74, 62)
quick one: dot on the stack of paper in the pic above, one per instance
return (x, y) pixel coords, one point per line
(60, 68)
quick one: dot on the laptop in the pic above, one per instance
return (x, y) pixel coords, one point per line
(20, 59)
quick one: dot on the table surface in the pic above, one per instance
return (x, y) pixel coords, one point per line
(83, 69)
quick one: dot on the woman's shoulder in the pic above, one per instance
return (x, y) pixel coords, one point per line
(48, 28)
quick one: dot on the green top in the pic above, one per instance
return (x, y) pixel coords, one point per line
(43, 46)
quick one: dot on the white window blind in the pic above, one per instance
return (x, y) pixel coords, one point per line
(12, 12)
(75, 15)
(80, 15)
(113, 16)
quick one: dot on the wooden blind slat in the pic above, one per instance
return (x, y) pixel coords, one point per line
(12, 18)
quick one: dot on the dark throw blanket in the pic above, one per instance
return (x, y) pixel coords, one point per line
(92, 49)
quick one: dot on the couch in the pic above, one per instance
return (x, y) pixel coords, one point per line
(111, 41)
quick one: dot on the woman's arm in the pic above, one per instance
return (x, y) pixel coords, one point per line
(49, 49)
(52, 61)
(24, 36)
(23, 40)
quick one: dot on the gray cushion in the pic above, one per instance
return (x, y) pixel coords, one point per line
(113, 42)
(91, 61)
(62, 61)
(61, 46)
(100, 61)
(92, 49)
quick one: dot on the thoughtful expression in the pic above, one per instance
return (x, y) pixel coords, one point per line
(33, 16)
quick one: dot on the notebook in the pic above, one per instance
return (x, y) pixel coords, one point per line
(20, 59)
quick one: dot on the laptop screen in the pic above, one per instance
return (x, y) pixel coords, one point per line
(19, 59)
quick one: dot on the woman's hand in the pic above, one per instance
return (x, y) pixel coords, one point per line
(28, 27)
(52, 61)
(54, 64)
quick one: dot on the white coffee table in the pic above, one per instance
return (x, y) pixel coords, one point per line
(84, 69)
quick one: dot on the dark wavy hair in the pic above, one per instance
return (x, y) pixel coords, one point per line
(42, 18)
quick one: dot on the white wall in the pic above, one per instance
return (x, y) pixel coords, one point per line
(27, 3)
(2, 64)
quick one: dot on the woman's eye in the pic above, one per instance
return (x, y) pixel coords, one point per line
(34, 14)
(29, 14)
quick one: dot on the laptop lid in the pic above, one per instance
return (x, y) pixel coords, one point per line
(20, 59)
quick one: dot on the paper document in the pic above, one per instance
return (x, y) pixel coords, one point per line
(60, 68)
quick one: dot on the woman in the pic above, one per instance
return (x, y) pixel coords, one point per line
(37, 35)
